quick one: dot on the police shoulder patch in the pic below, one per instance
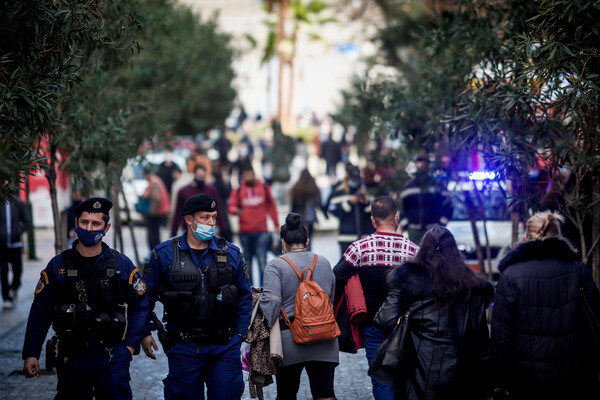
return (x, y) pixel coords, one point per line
(246, 274)
(40, 285)
(139, 286)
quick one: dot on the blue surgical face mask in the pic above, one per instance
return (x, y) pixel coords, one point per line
(204, 232)
(89, 238)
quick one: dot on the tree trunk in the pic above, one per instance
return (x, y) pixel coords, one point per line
(131, 228)
(51, 178)
(488, 251)
(283, 10)
(595, 246)
(473, 219)
(117, 225)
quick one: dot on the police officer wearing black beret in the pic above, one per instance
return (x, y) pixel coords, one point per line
(202, 281)
(96, 301)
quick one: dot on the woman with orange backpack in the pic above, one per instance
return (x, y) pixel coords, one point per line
(282, 304)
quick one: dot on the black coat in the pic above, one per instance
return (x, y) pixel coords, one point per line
(19, 221)
(452, 343)
(541, 348)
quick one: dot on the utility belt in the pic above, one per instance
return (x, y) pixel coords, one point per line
(60, 348)
(283, 326)
(202, 336)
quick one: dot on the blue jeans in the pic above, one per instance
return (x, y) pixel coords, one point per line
(255, 245)
(191, 366)
(373, 338)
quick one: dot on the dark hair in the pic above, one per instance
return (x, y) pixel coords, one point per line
(199, 166)
(246, 166)
(452, 278)
(294, 231)
(305, 189)
(383, 208)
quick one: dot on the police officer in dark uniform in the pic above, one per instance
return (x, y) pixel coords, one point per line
(96, 301)
(203, 283)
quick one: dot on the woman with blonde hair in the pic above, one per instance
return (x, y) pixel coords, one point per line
(541, 344)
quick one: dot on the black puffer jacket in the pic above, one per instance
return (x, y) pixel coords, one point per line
(452, 343)
(541, 349)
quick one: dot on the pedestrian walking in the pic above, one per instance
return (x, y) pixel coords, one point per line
(200, 185)
(169, 171)
(350, 203)
(157, 196)
(279, 291)
(95, 299)
(372, 258)
(425, 202)
(252, 202)
(203, 284)
(541, 344)
(14, 220)
(331, 152)
(305, 197)
(448, 347)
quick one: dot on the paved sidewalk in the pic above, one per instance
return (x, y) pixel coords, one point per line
(351, 380)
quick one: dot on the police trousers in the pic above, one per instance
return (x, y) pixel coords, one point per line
(94, 373)
(193, 365)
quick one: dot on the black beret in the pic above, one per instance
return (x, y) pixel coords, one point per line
(93, 205)
(199, 202)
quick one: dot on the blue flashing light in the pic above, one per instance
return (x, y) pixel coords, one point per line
(483, 175)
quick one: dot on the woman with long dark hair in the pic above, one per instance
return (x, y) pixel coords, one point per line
(305, 197)
(448, 346)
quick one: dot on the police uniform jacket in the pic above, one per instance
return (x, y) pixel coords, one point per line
(425, 203)
(449, 345)
(158, 268)
(540, 345)
(53, 281)
(354, 219)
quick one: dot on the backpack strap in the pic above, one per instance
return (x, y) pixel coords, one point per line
(309, 276)
(300, 275)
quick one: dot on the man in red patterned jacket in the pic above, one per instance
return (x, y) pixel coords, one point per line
(252, 202)
(371, 258)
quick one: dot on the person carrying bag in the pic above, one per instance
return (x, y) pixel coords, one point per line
(300, 295)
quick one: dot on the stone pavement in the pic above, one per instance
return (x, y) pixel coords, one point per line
(351, 380)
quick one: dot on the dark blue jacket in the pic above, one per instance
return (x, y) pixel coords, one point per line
(355, 219)
(158, 269)
(53, 282)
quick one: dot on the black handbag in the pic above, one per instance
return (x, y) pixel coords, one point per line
(589, 299)
(388, 361)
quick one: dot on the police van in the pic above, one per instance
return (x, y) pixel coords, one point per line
(489, 203)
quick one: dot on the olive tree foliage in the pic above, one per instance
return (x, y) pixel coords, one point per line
(180, 81)
(42, 44)
(97, 78)
(516, 82)
(560, 52)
